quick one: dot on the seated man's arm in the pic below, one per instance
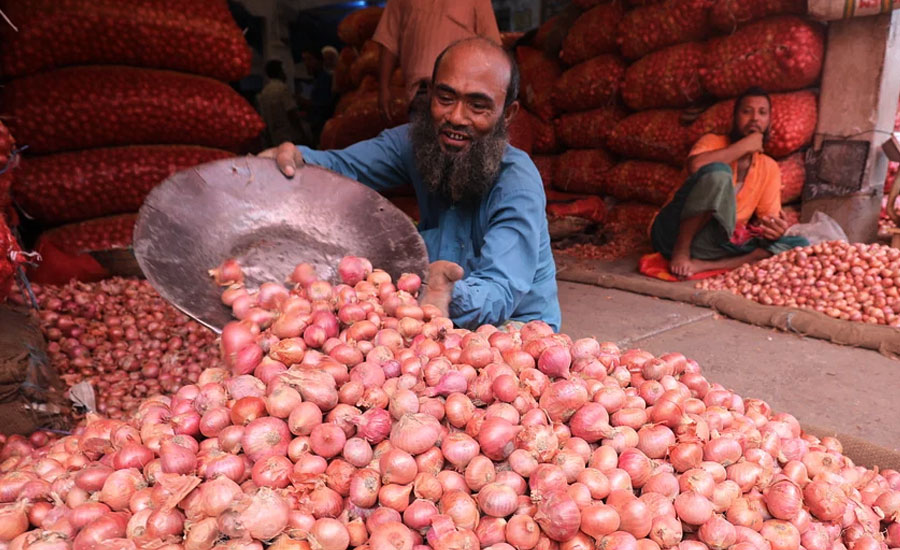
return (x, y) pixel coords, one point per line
(745, 146)
(505, 270)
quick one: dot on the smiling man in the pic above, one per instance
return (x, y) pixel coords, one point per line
(728, 212)
(481, 200)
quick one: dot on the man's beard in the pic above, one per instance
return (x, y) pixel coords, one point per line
(460, 176)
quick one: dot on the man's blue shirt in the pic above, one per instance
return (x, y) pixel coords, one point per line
(502, 242)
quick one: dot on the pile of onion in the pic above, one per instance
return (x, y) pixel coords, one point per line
(123, 338)
(853, 282)
(350, 417)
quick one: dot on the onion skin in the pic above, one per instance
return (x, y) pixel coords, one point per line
(367, 420)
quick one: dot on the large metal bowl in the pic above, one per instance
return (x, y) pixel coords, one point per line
(244, 208)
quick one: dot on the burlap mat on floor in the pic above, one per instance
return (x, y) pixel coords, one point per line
(623, 275)
(860, 451)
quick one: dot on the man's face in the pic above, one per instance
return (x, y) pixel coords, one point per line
(468, 95)
(752, 116)
(460, 141)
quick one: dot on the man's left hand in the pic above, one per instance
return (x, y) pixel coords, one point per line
(438, 288)
(773, 227)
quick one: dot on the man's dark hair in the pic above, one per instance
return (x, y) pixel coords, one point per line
(755, 91)
(274, 69)
(512, 89)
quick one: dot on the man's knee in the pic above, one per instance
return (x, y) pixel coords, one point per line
(714, 180)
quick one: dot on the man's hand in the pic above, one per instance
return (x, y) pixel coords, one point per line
(384, 104)
(773, 227)
(442, 275)
(752, 143)
(286, 156)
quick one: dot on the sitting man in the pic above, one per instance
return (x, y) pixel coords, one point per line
(731, 182)
(481, 201)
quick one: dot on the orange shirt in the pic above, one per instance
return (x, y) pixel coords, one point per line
(761, 193)
(417, 31)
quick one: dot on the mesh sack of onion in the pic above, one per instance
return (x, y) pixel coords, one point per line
(349, 416)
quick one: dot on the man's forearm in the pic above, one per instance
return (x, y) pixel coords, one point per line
(386, 63)
(727, 155)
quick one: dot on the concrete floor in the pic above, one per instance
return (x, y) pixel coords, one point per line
(850, 390)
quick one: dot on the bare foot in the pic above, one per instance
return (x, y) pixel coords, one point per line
(442, 275)
(682, 266)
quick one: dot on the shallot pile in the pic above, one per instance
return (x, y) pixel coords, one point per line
(351, 417)
(123, 338)
(854, 282)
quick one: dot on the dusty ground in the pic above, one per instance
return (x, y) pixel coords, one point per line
(850, 390)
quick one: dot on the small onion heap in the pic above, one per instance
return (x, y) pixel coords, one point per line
(351, 417)
(853, 282)
(123, 338)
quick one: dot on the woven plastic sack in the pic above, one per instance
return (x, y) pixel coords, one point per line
(631, 216)
(582, 170)
(793, 122)
(80, 185)
(589, 85)
(589, 208)
(728, 15)
(667, 78)
(656, 135)
(778, 54)
(368, 87)
(9, 259)
(8, 163)
(539, 73)
(545, 139)
(359, 26)
(592, 34)
(588, 129)
(521, 132)
(59, 33)
(793, 176)
(65, 249)
(508, 39)
(342, 80)
(366, 63)
(546, 165)
(643, 181)
(85, 107)
(552, 32)
(361, 121)
(654, 27)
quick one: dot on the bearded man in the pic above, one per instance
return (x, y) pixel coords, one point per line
(481, 200)
(728, 212)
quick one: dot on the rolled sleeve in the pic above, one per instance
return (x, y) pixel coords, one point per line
(377, 163)
(507, 262)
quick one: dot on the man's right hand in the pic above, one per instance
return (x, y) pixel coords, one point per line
(752, 143)
(384, 104)
(286, 156)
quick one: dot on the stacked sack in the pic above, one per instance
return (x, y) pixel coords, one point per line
(111, 97)
(632, 89)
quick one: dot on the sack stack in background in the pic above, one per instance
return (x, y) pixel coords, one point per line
(111, 97)
(640, 85)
